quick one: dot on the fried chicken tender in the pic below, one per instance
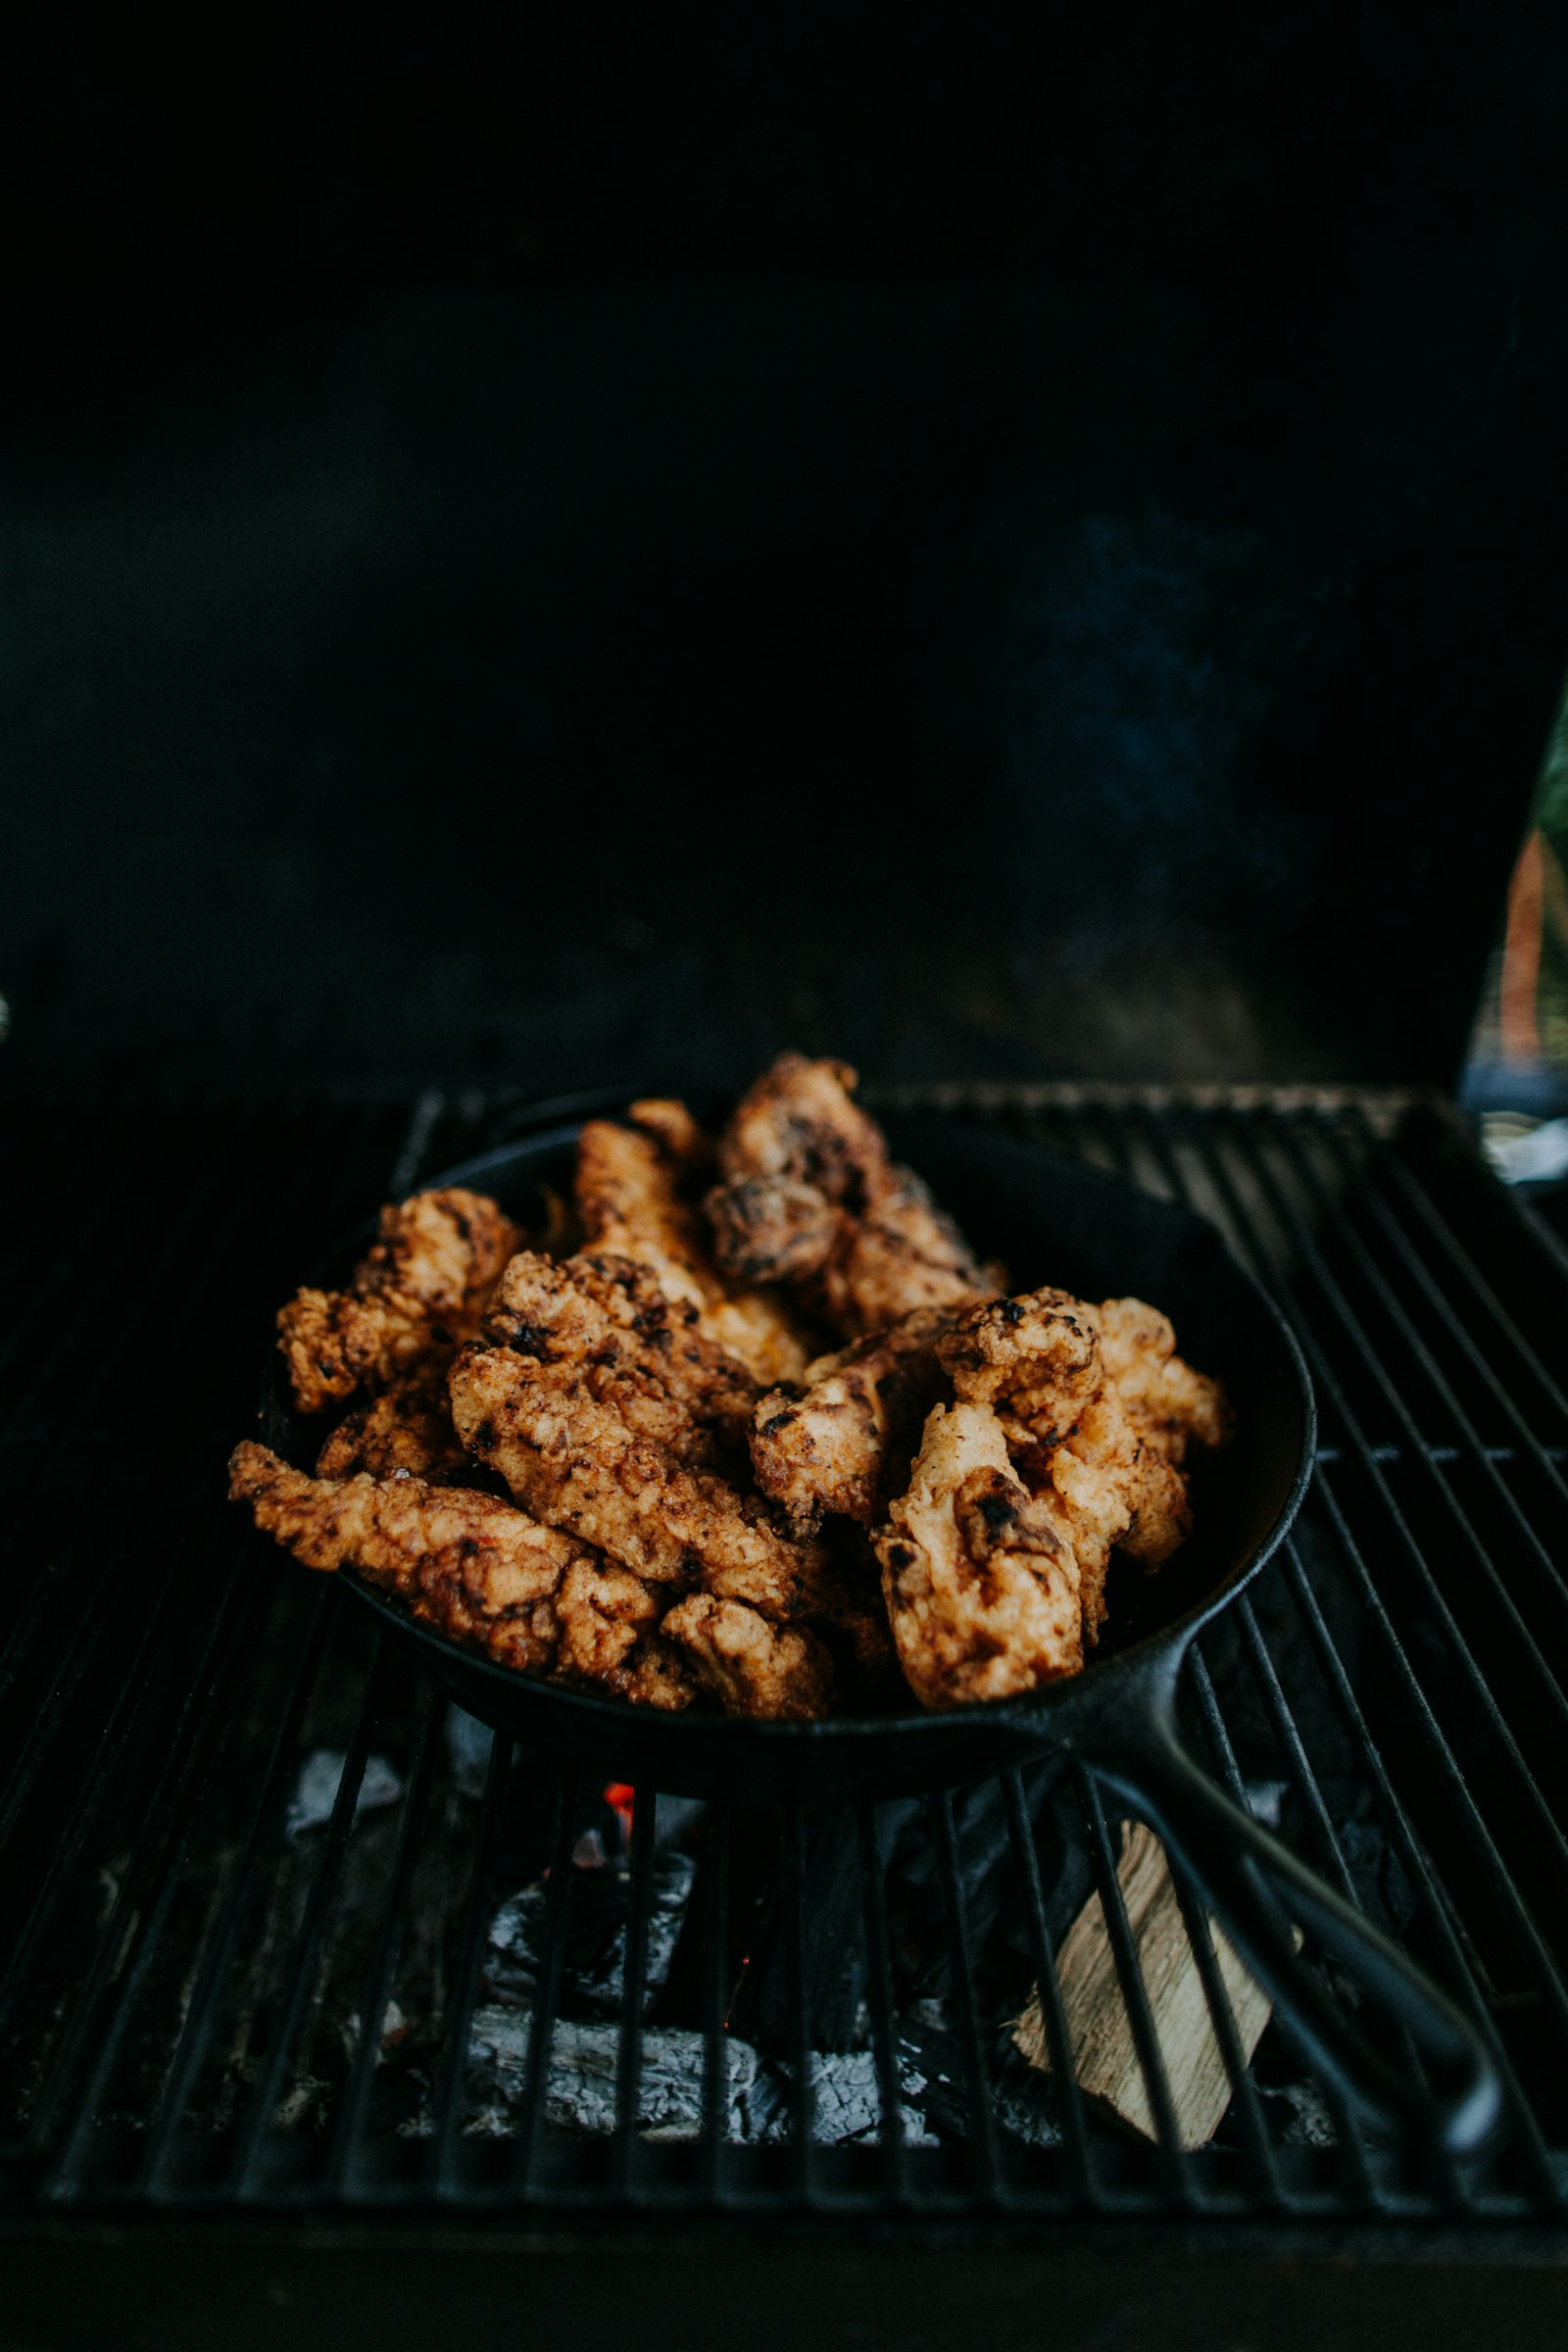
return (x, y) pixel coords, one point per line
(635, 1349)
(1109, 1488)
(629, 1194)
(811, 1198)
(407, 1431)
(421, 1287)
(576, 1463)
(772, 1228)
(981, 1584)
(842, 1444)
(477, 1570)
(1172, 1405)
(632, 1189)
(777, 1673)
(1099, 1411)
(799, 1120)
(607, 1618)
(1035, 1360)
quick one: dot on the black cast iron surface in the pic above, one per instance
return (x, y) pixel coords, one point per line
(285, 1934)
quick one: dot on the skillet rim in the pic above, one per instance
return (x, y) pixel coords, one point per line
(1053, 1705)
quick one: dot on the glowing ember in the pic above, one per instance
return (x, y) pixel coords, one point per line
(620, 1799)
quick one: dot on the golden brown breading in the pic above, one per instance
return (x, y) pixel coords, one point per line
(773, 1229)
(607, 1619)
(1109, 1488)
(422, 1286)
(689, 1146)
(776, 1674)
(629, 1194)
(810, 1197)
(763, 1330)
(799, 1120)
(1098, 1412)
(609, 1320)
(902, 1253)
(843, 1446)
(982, 1589)
(1035, 1361)
(1172, 1405)
(475, 1569)
(575, 1461)
(632, 1188)
(408, 1430)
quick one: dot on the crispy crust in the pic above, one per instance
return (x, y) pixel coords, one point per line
(1099, 1411)
(1173, 1405)
(408, 1431)
(420, 1287)
(608, 1319)
(844, 1443)
(575, 1462)
(776, 1674)
(635, 1198)
(475, 1569)
(811, 1197)
(1035, 1361)
(618, 1393)
(980, 1583)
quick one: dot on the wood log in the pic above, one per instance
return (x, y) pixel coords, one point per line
(1099, 2027)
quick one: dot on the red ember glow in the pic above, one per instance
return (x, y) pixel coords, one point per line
(620, 1798)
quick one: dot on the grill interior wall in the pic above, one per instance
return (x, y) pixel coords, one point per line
(459, 1982)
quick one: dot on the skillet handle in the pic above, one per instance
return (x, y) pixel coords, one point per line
(1258, 1889)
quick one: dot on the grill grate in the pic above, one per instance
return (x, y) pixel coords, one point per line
(285, 1931)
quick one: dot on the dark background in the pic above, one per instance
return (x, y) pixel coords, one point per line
(1018, 543)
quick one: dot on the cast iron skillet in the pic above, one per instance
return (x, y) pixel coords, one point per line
(1050, 1219)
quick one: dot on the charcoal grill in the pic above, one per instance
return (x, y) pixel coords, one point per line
(296, 1957)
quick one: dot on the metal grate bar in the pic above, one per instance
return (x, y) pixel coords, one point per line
(1470, 1440)
(446, 2107)
(1501, 1880)
(629, 2060)
(1264, 2187)
(547, 2000)
(803, 2099)
(207, 1994)
(190, 1578)
(1501, 1598)
(1503, 1883)
(1412, 1856)
(881, 2001)
(1081, 2185)
(311, 1937)
(235, 1607)
(716, 2001)
(1546, 1459)
(1416, 1198)
(977, 2090)
(346, 2157)
(1346, 2125)
(147, 1933)
(1172, 2171)
(1426, 1357)
(1245, 2091)
(1330, 1385)
(1305, 1781)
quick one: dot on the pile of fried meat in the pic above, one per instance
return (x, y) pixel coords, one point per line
(755, 1430)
